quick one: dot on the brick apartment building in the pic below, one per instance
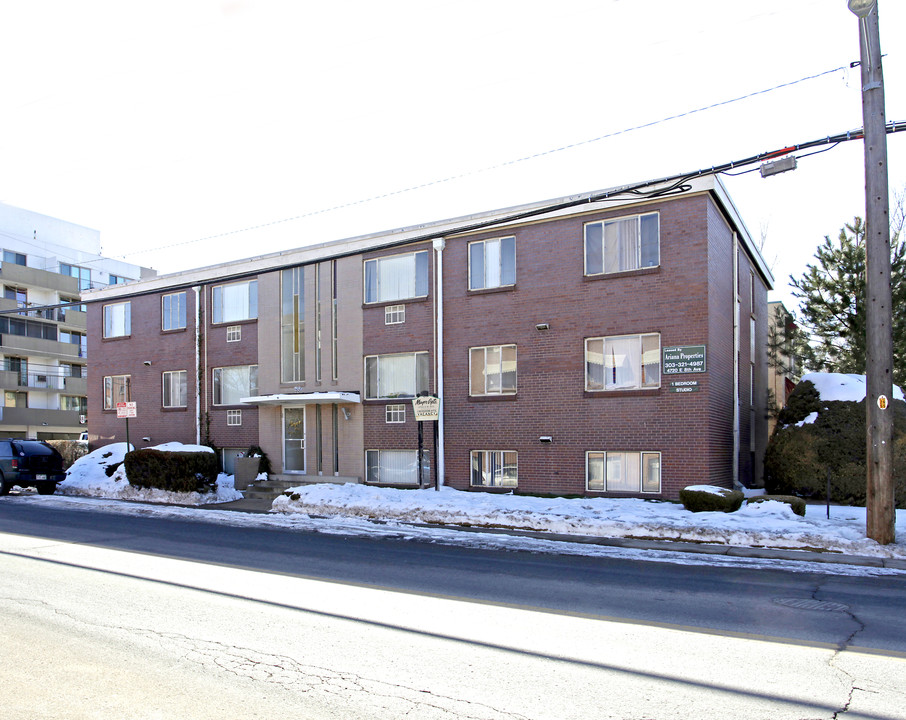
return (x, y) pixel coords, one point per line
(605, 343)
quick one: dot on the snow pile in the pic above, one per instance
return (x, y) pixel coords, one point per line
(88, 477)
(840, 387)
(768, 524)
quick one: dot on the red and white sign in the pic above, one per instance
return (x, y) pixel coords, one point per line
(125, 409)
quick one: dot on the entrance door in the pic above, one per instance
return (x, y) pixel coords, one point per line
(294, 440)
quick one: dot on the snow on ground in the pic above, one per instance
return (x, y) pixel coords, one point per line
(766, 524)
(88, 477)
(842, 387)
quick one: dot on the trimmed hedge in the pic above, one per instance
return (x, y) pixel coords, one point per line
(798, 458)
(715, 499)
(173, 471)
(797, 504)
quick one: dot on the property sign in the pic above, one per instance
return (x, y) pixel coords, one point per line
(684, 359)
(125, 409)
(426, 407)
(683, 386)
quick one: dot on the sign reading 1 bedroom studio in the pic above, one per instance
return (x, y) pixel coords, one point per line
(682, 360)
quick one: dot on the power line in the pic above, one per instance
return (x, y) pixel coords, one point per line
(491, 168)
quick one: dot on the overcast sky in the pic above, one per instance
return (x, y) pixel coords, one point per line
(174, 127)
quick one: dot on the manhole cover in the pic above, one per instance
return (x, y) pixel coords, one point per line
(810, 604)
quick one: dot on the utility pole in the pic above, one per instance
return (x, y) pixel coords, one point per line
(880, 517)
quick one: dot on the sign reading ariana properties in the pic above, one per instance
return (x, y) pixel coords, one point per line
(685, 359)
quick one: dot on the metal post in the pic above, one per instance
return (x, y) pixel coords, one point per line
(421, 452)
(880, 515)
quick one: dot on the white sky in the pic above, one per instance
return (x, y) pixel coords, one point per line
(161, 124)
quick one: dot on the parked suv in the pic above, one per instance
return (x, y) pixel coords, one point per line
(29, 463)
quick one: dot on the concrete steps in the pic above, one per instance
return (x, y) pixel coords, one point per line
(276, 485)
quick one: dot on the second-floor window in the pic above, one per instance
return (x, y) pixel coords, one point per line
(492, 370)
(624, 362)
(622, 244)
(237, 301)
(396, 277)
(492, 263)
(173, 311)
(118, 320)
(396, 376)
(174, 388)
(231, 384)
(117, 389)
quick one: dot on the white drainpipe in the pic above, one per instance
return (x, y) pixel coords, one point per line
(439, 246)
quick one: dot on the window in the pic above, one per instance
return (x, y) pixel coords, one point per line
(20, 295)
(492, 370)
(395, 413)
(117, 389)
(292, 325)
(118, 320)
(118, 279)
(622, 244)
(28, 328)
(394, 314)
(334, 325)
(174, 388)
(625, 362)
(231, 384)
(13, 258)
(74, 403)
(173, 311)
(71, 370)
(494, 468)
(397, 277)
(397, 467)
(234, 418)
(234, 333)
(75, 338)
(396, 376)
(238, 301)
(83, 275)
(624, 471)
(492, 263)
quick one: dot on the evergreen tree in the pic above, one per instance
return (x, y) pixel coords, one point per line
(832, 303)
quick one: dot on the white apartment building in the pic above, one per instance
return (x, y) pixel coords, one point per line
(45, 264)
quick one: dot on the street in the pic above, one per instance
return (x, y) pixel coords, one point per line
(105, 616)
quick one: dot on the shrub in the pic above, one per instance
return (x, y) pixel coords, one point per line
(710, 499)
(264, 463)
(796, 503)
(172, 471)
(798, 458)
(71, 450)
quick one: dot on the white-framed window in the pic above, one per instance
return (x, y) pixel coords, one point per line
(292, 325)
(495, 468)
(234, 418)
(492, 263)
(394, 314)
(173, 311)
(174, 386)
(623, 362)
(118, 319)
(396, 277)
(396, 467)
(395, 414)
(622, 244)
(492, 370)
(396, 376)
(234, 302)
(117, 389)
(234, 333)
(233, 383)
(623, 471)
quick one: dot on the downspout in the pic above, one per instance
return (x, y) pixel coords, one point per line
(197, 290)
(736, 305)
(439, 246)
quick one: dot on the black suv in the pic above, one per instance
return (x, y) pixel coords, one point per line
(29, 463)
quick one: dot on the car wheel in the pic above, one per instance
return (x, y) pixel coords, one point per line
(47, 488)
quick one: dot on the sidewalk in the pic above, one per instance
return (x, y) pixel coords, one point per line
(250, 505)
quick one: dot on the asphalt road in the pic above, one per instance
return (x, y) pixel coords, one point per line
(165, 603)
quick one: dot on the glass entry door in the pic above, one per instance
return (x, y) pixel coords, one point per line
(294, 440)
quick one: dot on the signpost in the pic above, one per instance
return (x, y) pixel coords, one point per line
(126, 410)
(426, 408)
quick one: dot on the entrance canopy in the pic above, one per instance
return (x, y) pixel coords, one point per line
(312, 398)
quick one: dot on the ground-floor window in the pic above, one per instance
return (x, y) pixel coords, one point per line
(396, 467)
(624, 471)
(494, 468)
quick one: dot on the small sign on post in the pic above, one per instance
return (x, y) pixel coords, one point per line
(125, 410)
(426, 407)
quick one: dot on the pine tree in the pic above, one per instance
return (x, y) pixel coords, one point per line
(832, 303)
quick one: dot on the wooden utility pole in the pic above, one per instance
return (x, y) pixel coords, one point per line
(880, 517)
